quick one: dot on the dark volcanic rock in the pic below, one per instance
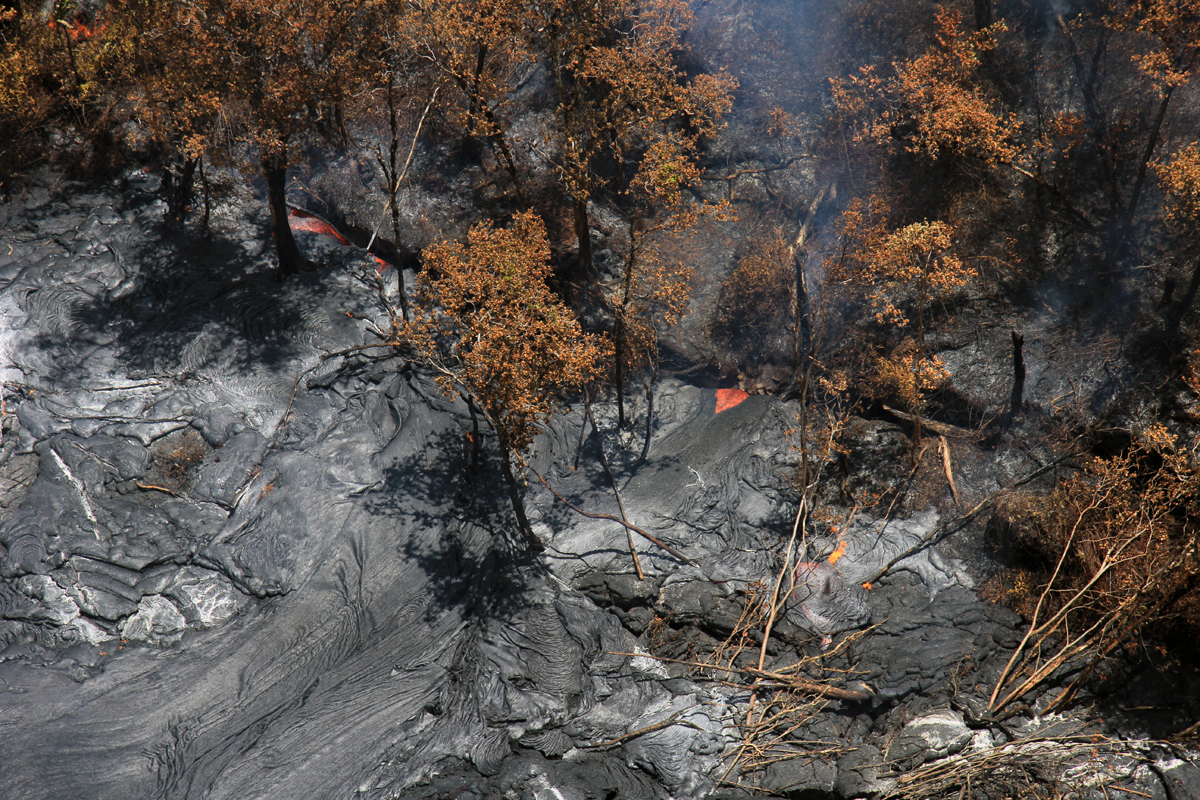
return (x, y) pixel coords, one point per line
(923, 644)
(233, 567)
(224, 473)
(858, 772)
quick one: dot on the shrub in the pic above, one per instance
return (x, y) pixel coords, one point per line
(1121, 549)
(757, 297)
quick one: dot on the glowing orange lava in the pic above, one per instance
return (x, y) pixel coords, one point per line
(728, 398)
(836, 554)
(306, 222)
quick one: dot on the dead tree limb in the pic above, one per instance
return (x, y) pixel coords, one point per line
(940, 428)
(944, 446)
(944, 530)
(1017, 399)
(771, 676)
(637, 565)
(733, 176)
(618, 520)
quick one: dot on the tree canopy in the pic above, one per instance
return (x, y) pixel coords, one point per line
(493, 331)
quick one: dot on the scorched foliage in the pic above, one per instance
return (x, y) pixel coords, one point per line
(494, 332)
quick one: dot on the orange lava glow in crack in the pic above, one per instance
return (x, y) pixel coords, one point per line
(77, 30)
(306, 222)
(836, 554)
(728, 398)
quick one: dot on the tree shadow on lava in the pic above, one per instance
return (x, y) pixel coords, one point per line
(189, 305)
(454, 520)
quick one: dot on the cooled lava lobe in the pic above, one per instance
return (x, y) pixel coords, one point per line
(235, 565)
(214, 588)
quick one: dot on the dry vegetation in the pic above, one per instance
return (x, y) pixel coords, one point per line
(757, 298)
(176, 458)
(998, 153)
(1120, 550)
(784, 699)
(489, 325)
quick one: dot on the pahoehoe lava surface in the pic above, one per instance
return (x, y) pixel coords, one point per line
(207, 598)
(233, 565)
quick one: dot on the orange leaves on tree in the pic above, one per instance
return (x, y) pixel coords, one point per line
(1063, 133)
(476, 48)
(265, 71)
(898, 269)
(284, 62)
(757, 298)
(64, 67)
(620, 95)
(908, 374)
(934, 103)
(1180, 180)
(486, 320)
(916, 260)
(781, 124)
(1172, 30)
(1122, 535)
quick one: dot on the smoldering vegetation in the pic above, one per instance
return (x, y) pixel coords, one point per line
(882, 481)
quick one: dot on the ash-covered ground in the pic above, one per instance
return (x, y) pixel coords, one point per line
(237, 565)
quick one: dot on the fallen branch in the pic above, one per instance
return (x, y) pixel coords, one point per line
(787, 681)
(733, 176)
(637, 565)
(807, 225)
(940, 428)
(944, 446)
(618, 520)
(787, 162)
(658, 726)
(1020, 761)
(141, 485)
(325, 357)
(941, 531)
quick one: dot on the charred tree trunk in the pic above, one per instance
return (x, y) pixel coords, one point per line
(207, 198)
(1085, 77)
(649, 410)
(802, 320)
(1182, 306)
(1151, 143)
(801, 312)
(918, 364)
(1017, 399)
(76, 82)
(1168, 294)
(619, 367)
(475, 102)
(179, 186)
(391, 169)
(983, 14)
(493, 134)
(583, 233)
(620, 328)
(291, 262)
(514, 493)
(510, 165)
